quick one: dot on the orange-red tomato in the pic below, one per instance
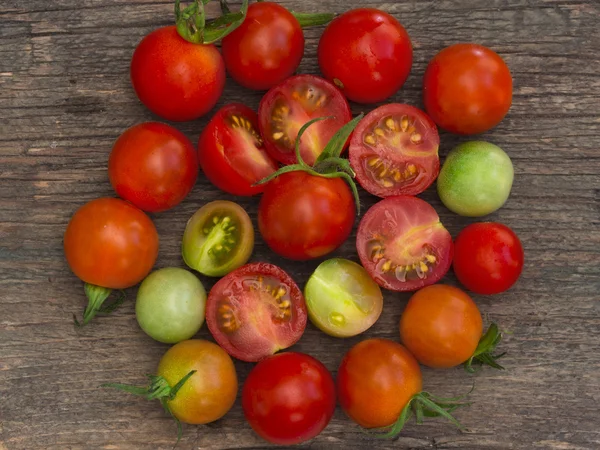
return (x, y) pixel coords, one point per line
(441, 326)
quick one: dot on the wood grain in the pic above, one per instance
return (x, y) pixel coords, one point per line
(65, 97)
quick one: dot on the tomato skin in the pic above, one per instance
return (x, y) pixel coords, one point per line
(153, 166)
(175, 79)
(289, 398)
(441, 326)
(251, 57)
(368, 51)
(301, 216)
(467, 89)
(375, 381)
(489, 258)
(110, 243)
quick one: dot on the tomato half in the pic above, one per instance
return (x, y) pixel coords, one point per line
(175, 79)
(403, 245)
(488, 257)
(367, 53)
(153, 165)
(231, 151)
(289, 398)
(289, 105)
(467, 89)
(394, 151)
(266, 48)
(255, 311)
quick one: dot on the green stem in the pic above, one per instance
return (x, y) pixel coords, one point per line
(484, 353)
(193, 26)
(96, 297)
(313, 19)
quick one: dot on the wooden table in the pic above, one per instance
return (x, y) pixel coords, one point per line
(65, 96)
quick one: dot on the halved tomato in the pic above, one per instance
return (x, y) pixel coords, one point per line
(255, 311)
(231, 151)
(403, 245)
(394, 151)
(289, 105)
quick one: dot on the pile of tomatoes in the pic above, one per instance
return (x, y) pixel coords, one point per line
(291, 153)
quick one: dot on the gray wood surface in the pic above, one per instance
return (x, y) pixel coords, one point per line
(65, 96)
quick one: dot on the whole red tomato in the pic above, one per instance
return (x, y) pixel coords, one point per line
(153, 166)
(467, 89)
(266, 48)
(367, 53)
(288, 398)
(175, 79)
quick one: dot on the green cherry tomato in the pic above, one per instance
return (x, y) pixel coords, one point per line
(218, 238)
(475, 179)
(342, 299)
(170, 305)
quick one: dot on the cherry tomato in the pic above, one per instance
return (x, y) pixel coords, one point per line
(175, 79)
(441, 326)
(301, 216)
(403, 245)
(467, 89)
(110, 243)
(488, 257)
(394, 151)
(289, 398)
(256, 311)
(231, 151)
(367, 53)
(289, 105)
(153, 166)
(266, 48)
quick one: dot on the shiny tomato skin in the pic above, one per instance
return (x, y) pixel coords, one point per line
(467, 89)
(489, 258)
(441, 326)
(375, 381)
(301, 216)
(266, 48)
(367, 53)
(289, 398)
(175, 79)
(153, 166)
(110, 243)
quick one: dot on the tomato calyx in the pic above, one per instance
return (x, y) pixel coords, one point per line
(96, 296)
(313, 19)
(484, 353)
(193, 26)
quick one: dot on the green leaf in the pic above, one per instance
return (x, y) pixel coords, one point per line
(193, 26)
(313, 19)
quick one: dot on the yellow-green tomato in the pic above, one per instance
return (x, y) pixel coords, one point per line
(342, 299)
(476, 179)
(170, 305)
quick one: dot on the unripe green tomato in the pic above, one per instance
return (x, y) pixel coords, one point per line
(475, 179)
(170, 305)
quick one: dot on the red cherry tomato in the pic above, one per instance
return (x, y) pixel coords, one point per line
(266, 48)
(488, 257)
(175, 79)
(231, 151)
(367, 53)
(467, 89)
(394, 151)
(289, 398)
(153, 166)
(301, 216)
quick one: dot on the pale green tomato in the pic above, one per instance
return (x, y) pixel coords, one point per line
(170, 305)
(476, 179)
(342, 299)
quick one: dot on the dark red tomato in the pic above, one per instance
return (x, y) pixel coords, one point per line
(288, 106)
(367, 53)
(153, 166)
(255, 311)
(289, 398)
(394, 151)
(266, 48)
(488, 257)
(467, 89)
(301, 216)
(403, 245)
(175, 79)
(232, 153)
